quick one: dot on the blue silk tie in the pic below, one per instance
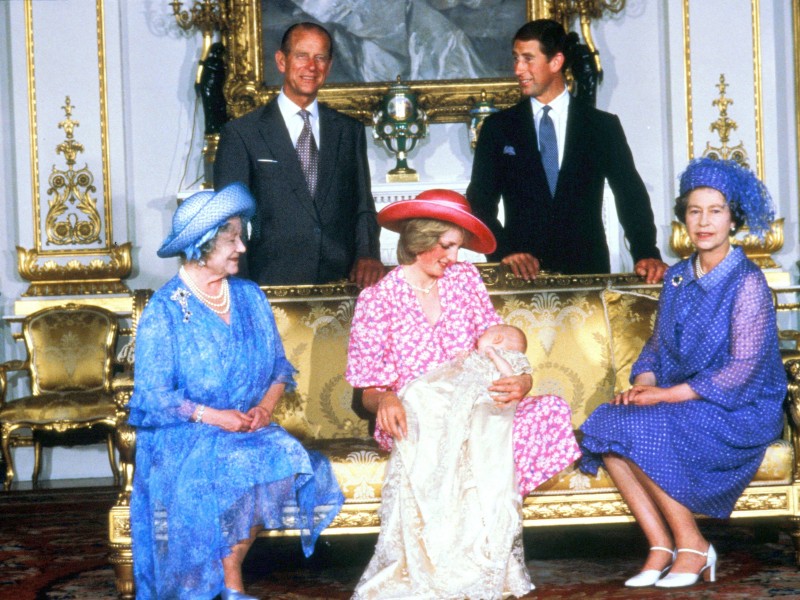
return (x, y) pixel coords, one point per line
(548, 147)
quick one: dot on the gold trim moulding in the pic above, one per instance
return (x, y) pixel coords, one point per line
(444, 101)
(498, 279)
(102, 274)
(120, 304)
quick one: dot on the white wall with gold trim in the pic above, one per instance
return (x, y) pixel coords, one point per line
(139, 147)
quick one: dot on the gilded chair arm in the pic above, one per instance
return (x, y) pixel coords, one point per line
(11, 365)
(792, 364)
(122, 388)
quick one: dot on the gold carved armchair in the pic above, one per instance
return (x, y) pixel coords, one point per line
(70, 356)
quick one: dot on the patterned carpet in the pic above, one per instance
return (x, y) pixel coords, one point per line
(52, 547)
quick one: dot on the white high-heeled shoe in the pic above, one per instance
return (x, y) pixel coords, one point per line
(650, 576)
(229, 594)
(709, 571)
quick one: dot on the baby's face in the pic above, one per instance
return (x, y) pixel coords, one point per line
(494, 340)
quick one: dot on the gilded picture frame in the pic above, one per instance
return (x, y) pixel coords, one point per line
(446, 101)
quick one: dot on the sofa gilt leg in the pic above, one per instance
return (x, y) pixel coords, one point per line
(119, 517)
(795, 535)
(121, 557)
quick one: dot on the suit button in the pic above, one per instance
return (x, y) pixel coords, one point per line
(317, 230)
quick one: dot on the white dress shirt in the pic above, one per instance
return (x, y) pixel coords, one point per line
(294, 122)
(559, 108)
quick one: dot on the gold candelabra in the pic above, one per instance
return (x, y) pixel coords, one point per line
(566, 11)
(206, 15)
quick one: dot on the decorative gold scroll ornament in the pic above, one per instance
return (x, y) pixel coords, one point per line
(72, 216)
(85, 263)
(756, 250)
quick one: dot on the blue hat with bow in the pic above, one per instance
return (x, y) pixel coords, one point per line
(199, 217)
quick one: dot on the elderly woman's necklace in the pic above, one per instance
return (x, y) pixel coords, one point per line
(698, 267)
(219, 303)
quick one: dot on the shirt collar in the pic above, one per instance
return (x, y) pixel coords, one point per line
(559, 105)
(720, 272)
(289, 108)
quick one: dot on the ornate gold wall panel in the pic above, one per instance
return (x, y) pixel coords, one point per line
(796, 45)
(756, 145)
(73, 252)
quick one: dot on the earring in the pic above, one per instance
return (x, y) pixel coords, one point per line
(201, 262)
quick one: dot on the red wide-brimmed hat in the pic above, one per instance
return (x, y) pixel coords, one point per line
(443, 205)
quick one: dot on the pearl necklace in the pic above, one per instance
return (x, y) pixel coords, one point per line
(424, 290)
(220, 303)
(698, 268)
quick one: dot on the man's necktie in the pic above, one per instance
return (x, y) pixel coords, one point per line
(548, 147)
(308, 153)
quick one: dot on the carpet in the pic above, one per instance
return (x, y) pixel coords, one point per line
(53, 547)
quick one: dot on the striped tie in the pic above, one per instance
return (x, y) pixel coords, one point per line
(548, 147)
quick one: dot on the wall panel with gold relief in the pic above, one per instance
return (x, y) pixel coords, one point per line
(722, 59)
(69, 246)
(726, 104)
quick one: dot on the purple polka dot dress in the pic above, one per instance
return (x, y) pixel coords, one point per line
(719, 335)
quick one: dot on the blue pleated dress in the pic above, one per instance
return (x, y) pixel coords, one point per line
(719, 335)
(198, 490)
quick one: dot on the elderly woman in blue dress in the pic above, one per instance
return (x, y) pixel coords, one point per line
(708, 387)
(211, 467)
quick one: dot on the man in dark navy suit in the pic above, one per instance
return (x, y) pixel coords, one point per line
(548, 157)
(315, 221)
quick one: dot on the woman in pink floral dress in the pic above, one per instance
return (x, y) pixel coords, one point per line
(464, 539)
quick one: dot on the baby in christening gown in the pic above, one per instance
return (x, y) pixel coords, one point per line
(458, 510)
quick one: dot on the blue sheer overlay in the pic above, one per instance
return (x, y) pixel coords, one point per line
(198, 490)
(719, 335)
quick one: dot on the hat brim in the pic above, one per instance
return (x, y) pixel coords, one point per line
(481, 238)
(216, 208)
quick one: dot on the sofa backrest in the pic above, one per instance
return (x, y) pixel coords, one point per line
(583, 335)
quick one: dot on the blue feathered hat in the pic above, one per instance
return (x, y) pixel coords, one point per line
(747, 196)
(199, 216)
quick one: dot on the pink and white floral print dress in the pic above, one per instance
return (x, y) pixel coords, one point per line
(391, 344)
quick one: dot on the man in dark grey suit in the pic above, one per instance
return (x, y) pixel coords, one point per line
(306, 165)
(553, 206)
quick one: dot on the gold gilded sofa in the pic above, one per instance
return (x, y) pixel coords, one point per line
(583, 335)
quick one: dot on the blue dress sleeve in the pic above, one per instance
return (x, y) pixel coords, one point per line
(159, 396)
(752, 357)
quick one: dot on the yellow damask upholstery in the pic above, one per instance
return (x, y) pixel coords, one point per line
(315, 333)
(631, 317)
(359, 466)
(568, 344)
(582, 344)
(70, 356)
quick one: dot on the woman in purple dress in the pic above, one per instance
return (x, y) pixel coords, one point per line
(708, 387)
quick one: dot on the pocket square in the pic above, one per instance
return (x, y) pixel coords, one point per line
(509, 150)
(267, 160)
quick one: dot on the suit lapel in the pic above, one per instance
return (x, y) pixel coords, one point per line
(275, 135)
(572, 144)
(530, 143)
(330, 130)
